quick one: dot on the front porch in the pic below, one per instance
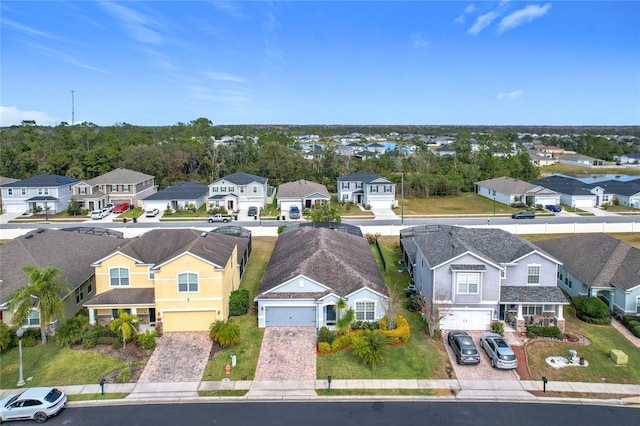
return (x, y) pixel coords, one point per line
(522, 307)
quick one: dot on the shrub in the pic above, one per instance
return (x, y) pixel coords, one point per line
(326, 336)
(593, 320)
(239, 302)
(400, 334)
(124, 375)
(5, 337)
(225, 332)
(105, 340)
(281, 228)
(341, 342)
(413, 304)
(71, 332)
(628, 318)
(324, 347)
(371, 238)
(89, 342)
(497, 327)
(29, 341)
(544, 331)
(148, 339)
(636, 331)
(631, 324)
(32, 333)
(117, 344)
(370, 346)
(591, 307)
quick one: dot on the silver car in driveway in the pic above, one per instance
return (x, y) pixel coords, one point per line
(500, 353)
(35, 403)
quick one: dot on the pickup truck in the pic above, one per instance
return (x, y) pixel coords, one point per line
(218, 218)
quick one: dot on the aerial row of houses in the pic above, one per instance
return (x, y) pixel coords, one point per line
(235, 192)
(178, 280)
(576, 192)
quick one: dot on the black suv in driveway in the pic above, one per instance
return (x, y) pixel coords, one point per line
(463, 347)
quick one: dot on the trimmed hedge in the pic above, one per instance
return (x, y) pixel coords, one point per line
(239, 302)
(544, 331)
(324, 347)
(342, 342)
(636, 331)
(400, 334)
(326, 336)
(592, 310)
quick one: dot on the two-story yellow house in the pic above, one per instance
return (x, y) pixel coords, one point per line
(173, 279)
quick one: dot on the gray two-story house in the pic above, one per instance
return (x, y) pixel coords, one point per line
(238, 191)
(476, 276)
(367, 189)
(43, 193)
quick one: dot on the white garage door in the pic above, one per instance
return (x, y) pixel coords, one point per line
(290, 316)
(545, 201)
(467, 319)
(583, 203)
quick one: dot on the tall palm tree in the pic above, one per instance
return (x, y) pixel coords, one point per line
(125, 325)
(44, 293)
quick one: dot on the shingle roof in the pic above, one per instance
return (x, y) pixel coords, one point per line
(301, 189)
(614, 186)
(119, 176)
(564, 185)
(363, 177)
(532, 294)
(242, 178)
(508, 185)
(4, 180)
(338, 260)
(72, 253)
(124, 296)
(180, 191)
(597, 259)
(446, 242)
(160, 245)
(42, 180)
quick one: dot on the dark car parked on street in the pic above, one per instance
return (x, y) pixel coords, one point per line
(553, 208)
(463, 347)
(523, 215)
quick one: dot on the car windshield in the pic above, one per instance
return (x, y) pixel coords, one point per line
(465, 341)
(501, 343)
(469, 352)
(11, 400)
(53, 395)
(507, 357)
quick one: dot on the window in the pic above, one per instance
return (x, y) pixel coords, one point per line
(119, 277)
(373, 188)
(242, 189)
(365, 311)
(560, 277)
(79, 294)
(125, 188)
(223, 189)
(255, 189)
(468, 283)
(214, 189)
(345, 185)
(503, 273)
(23, 191)
(345, 197)
(152, 274)
(43, 191)
(638, 305)
(533, 274)
(115, 314)
(90, 286)
(9, 191)
(33, 319)
(82, 190)
(187, 282)
(531, 310)
(114, 188)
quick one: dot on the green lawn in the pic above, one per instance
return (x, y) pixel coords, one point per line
(50, 364)
(603, 339)
(465, 203)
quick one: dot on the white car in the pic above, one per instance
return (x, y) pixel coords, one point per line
(99, 214)
(35, 403)
(152, 213)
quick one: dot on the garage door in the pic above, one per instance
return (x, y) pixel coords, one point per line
(583, 203)
(290, 316)
(467, 319)
(188, 321)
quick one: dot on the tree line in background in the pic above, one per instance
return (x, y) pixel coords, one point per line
(186, 151)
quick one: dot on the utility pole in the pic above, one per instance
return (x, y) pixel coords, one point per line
(402, 198)
(73, 109)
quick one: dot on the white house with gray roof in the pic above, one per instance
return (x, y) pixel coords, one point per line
(177, 197)
(238, 191)
(367, 189)
(43, 192)
(303, 194)
(507, 190)
(475, 276)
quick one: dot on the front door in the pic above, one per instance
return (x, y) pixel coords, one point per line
(152, 315)
(230, 205)
(330, 315)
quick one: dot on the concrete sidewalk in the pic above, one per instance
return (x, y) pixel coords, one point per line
(468, 390)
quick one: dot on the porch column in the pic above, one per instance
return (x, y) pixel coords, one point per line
(134, 311)
(92, 316)
(559, 313)
(520, 317)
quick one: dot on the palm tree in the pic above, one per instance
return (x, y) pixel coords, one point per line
(44, 293)
(226, 333)
(371, 347)
(125, 325)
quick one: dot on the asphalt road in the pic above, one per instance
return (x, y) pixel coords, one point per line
(349, 413)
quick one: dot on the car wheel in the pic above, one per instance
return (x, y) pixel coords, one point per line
(493, 363)
(225, 221)
(40, 417)
(210, 221)
(457, 360)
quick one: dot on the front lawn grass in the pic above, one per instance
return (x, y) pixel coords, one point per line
(465, 203)
(419, 358)
(600, 369)
(97, 396)
(248, 349)
(51, 365)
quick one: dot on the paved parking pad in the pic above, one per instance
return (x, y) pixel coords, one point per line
(287, 353)
(482, 371)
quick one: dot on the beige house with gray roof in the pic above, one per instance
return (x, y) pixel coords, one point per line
(116, 186)
(510, 191)
(301, 193)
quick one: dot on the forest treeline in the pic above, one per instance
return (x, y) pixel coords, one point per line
(186, 151)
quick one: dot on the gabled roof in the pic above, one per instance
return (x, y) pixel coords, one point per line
(564, 185)
(120, 176)
(5, 180)
(598, 260)
(161, 245)
(341, 261)
(301, 189)
(43, 249)
(444, 243)
(614, 186)
(242, 178)
(364, 177)
(42, 180)
(533, 295)
(180, 191)
(508, 185)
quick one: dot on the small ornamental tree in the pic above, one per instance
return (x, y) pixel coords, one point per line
(370, 346)
(226, 333)
(126, 326)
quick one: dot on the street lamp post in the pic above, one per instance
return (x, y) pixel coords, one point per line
(494, 205)
(20, 333)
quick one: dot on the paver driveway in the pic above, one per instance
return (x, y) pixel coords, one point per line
(287, 353)
(482, 371)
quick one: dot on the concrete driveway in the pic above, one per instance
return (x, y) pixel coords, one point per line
(287, 353)
(482, 371)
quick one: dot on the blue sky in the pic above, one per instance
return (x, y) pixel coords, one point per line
(329, 62)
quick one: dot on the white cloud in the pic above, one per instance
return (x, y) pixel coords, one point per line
(522, 16)
(12, 116)
(515, 94)
(230, 9)
(223, 76)
(30, 31)
(139, 25)
(482, 22)
(467, 10)
(418, 40)
(470, 9)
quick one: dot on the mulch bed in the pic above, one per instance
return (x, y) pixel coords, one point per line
(134, 354)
